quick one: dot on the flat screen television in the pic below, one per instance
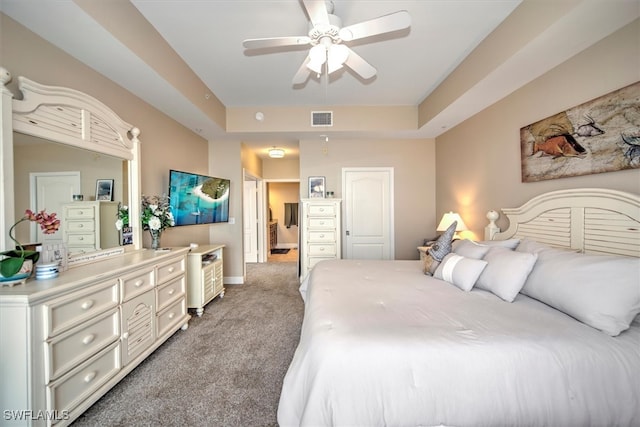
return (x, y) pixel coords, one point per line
(198, 199)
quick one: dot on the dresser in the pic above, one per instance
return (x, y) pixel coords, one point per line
(204, 276)
(65, 342)
(89, 226)
(320, 232)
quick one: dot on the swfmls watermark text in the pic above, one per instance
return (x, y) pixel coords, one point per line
(28, 414)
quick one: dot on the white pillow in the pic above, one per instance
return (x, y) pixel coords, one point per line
(460, 271)
(477, 250)
(506, 272)
(602, 291)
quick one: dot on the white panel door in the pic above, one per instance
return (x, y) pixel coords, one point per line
(250, 221)
(368, 213)
(49, 191)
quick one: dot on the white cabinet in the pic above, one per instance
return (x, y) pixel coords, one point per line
(65, 342)
(320, 232)
(204, 276)
(89, 226)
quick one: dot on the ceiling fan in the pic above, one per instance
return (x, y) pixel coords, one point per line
(327, 36)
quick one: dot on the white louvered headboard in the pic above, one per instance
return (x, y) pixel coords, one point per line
(591, 220)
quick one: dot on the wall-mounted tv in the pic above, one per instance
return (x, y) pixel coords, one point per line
(198, 199)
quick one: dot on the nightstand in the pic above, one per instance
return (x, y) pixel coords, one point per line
(423, 251)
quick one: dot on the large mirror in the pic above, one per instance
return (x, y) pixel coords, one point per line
(61, 137)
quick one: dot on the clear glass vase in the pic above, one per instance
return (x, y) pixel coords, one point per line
(155, 238)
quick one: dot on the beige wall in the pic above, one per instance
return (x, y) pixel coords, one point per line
(226, 161)
(413, 162)
(478, 161)
(279, 194)
(165, 144)
(286, 168)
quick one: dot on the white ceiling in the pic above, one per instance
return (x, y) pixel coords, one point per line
(207, 35)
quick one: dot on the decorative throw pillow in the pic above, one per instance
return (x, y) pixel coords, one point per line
(442, 246)
(602, 291)
(460, 271)
(506, 272)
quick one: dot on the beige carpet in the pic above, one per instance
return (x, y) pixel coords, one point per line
(226, 369)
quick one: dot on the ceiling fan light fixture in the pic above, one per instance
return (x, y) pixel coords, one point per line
(276, 153)
(336, 57)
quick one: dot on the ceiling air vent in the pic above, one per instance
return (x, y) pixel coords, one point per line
(321, 118)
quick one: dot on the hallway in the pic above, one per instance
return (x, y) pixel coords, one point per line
(291, 256)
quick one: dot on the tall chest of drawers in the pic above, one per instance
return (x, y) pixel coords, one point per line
(89, 226)
(74, 337)
(320, 233)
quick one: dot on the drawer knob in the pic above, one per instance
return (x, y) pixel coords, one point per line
(171, 269)
(80, 212)
(321, 209)
(172, 315)
(321, 222)
(87, 304)
(88, 339)
(139, 283)
(321, 249)
(89, 377)
(171, 291)
(80, 238)
(125, 335)
(80, 225)
(322, 236)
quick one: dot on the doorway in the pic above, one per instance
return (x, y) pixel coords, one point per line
(283, 198)
(368, 213)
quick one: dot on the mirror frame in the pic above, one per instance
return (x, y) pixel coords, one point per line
(87, 124)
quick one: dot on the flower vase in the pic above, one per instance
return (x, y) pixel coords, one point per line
(155, 239)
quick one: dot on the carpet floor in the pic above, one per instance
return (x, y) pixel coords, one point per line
(226, 369)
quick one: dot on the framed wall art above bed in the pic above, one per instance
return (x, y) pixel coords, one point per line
(602, 135)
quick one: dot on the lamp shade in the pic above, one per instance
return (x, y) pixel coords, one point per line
(276, 153)
(448, 219)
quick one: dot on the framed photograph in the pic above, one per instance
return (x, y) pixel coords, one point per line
(316, 186)
(127, 235)
(104, 189)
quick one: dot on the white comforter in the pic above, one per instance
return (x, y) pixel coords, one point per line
(383, 344)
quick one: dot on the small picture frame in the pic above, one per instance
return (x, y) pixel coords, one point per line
(127, 235)
(316, 187)
(104, 189)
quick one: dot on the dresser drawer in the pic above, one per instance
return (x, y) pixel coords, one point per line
(318, 209)
(173, 315)
(171, 269)
(73, 347)
(169, 292)
(66, 312)
(80, 212)
(81, 239)
(319, 223)
(79, 226)
(322, 236)
(66, 393)
(138, 325)
(319, 249)
(137, 283)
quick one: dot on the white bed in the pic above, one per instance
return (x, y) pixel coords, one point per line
(384, 344)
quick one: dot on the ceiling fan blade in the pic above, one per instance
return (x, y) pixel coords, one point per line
(303, 73)
(276, 42)
(317, 11)
(384, 24)
(360, 66)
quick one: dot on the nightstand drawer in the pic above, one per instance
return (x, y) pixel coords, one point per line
(171, 316)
